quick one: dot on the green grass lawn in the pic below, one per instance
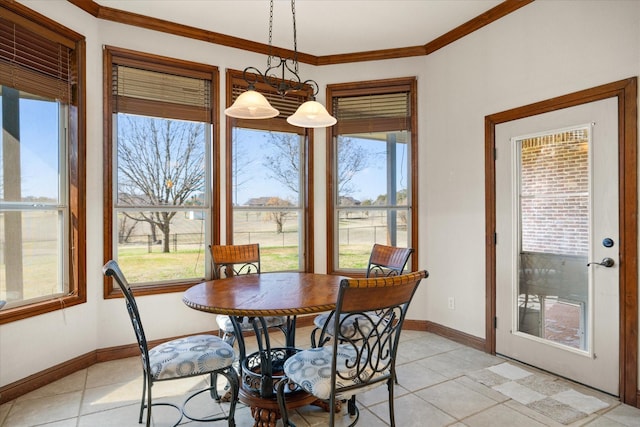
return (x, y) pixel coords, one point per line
(140, 266)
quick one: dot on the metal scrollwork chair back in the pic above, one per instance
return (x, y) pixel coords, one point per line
(363, 360)
(384, 261)
(233, 260)
(179, 358)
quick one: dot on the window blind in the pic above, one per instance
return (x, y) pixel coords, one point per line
(31, 62)
(154, 93)
(374, 112)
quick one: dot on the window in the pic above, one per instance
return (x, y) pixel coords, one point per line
(269, 181)
(42, 223)
(372, 171)
(158, 201)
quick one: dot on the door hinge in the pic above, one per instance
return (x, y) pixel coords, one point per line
(495, 238)
(495, 153)
(495, 323)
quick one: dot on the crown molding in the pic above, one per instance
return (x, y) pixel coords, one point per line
(161, 25)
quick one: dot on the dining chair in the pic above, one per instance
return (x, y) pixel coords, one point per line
(233, 260)
(180, 358)
(384, 261)
(362, 360)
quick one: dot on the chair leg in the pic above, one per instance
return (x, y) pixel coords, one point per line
(144, 395)
(392, 418)
(233, 382)
(214, 387)
(351, 406)
(284, 415)
(149, 384)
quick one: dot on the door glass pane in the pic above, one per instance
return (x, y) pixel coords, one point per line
(554, 237)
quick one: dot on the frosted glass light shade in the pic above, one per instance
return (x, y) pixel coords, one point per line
(311, 114)
(251, 105)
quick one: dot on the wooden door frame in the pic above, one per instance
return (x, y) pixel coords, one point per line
(626, 93)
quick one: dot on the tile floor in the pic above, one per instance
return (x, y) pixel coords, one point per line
(441, 383)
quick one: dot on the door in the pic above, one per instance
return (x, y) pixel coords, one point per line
(556, 242)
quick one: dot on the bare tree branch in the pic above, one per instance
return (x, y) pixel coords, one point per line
(160, 163)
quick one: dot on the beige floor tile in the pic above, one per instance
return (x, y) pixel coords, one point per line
(605, 422)
(70, 383)
(71, 422)
(455, 399)
(125, 416)
(30, 412)
(379, 395)
(448, 365)
(107, 397)
(624, 414)
(412, 376)
(530, 413)
(411, 411)
(114, 372)
(4, 411)
(482, 389)
(500, 415)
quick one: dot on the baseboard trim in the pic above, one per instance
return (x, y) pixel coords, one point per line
(446, 332)
(32, 382)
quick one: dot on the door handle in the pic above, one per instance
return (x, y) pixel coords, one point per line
(606, 262)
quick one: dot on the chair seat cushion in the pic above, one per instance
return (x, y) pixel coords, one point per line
(311, 370)
(347, 327)
(225, 324)
(194, 355)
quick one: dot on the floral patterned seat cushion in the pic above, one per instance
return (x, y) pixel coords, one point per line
(197, 354)
(347, 328)
(225, 324)
(311, 370)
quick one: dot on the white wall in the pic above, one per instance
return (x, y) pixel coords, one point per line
(546, 49)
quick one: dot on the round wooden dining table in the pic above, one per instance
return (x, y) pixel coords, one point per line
(267, 294)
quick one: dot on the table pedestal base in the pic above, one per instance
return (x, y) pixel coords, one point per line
(266, 412)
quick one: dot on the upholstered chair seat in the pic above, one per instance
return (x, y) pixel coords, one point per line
(190, 356)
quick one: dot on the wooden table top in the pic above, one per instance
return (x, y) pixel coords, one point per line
(266, 294)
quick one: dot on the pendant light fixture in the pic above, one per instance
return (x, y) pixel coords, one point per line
(282, 75)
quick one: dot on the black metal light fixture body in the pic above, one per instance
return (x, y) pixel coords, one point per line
(283, 76)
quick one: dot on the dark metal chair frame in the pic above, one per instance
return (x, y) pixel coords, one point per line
(235, 260)
(384, 261)
(375, 348)
(112, 269)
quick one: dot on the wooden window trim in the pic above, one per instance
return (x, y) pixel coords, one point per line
(114, 55)
(234, 79)
(364, 88)
(76, 164)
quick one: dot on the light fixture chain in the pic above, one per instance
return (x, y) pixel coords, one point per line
(295, 41)
(270, 34)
